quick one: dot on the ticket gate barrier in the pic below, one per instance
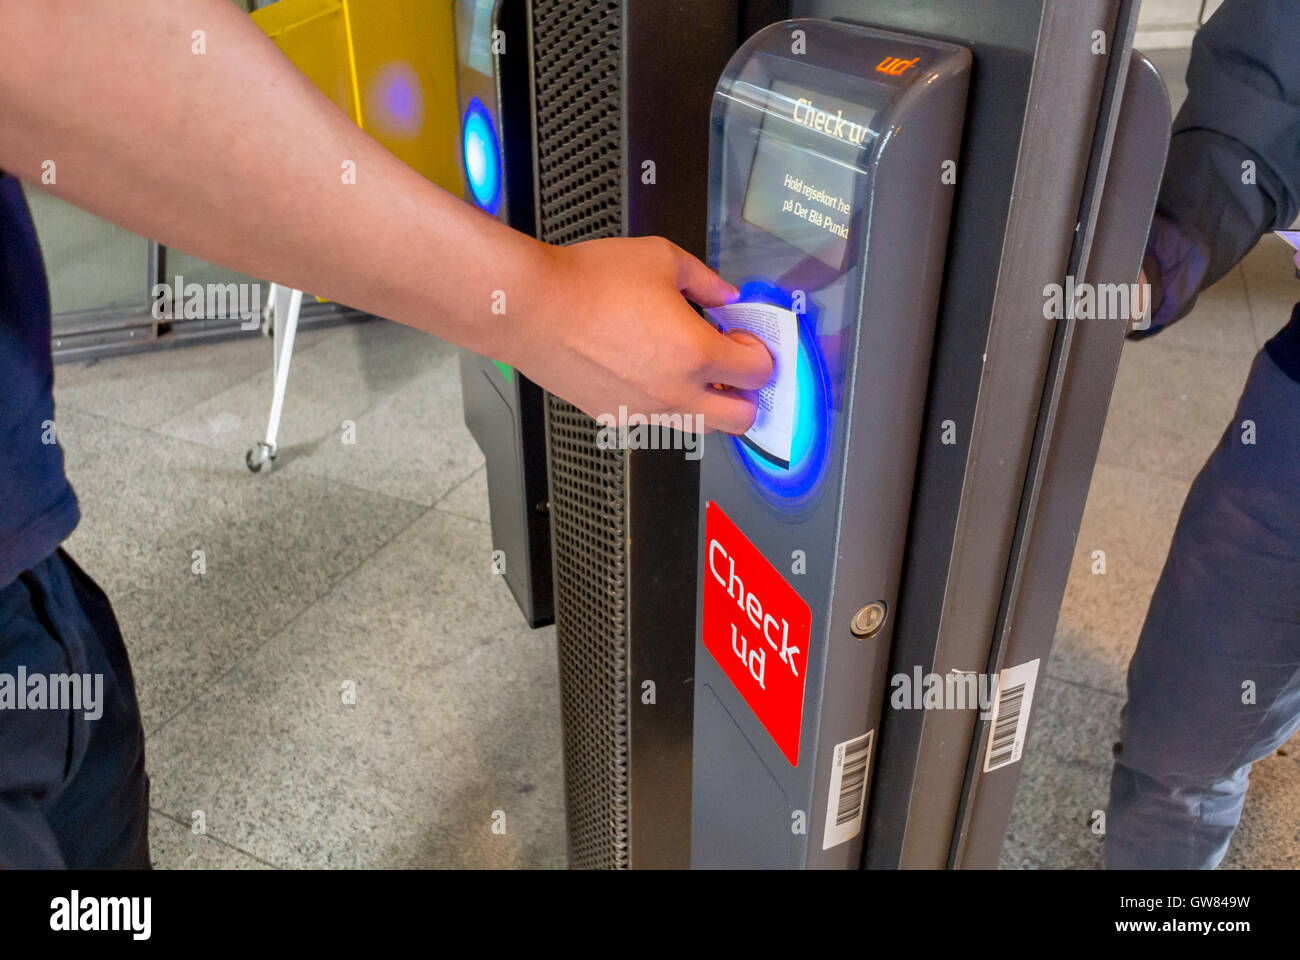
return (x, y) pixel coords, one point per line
(1058, 174)
(387, 64)
(1080, 383)
(1060, 152)
(503, 408)
(1064, 150)
(834, 149)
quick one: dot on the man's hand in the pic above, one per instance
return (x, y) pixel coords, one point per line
(610, 325)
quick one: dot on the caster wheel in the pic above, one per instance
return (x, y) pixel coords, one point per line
(259, 458)
(268, 313)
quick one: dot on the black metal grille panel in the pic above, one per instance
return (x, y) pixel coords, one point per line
(576, 57)
(588, 537)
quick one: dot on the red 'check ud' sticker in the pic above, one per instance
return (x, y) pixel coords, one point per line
(756, 626)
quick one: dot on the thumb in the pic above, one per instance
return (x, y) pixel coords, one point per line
(742, 360)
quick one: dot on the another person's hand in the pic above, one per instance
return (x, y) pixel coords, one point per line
(1173, 267)
(608, 325)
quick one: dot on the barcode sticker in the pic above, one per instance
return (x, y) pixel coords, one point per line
(848, 791)
(1011, 715)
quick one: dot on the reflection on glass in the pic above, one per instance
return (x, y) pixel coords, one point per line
(91, 264)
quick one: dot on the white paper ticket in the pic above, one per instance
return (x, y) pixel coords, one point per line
(773, 431)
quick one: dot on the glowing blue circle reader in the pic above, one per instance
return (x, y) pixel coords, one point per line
(788, 486)
(481, 153)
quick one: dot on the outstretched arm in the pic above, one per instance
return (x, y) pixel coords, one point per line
(201, 152)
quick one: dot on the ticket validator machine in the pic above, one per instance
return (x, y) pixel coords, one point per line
(503, 409)
(832, 154)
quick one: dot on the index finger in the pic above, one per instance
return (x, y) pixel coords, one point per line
(701, 285)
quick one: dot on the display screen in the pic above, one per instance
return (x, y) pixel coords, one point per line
(801, 184)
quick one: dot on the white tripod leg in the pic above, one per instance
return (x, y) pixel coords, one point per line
(288, 304)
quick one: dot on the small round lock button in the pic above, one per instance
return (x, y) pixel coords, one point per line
(866, 623)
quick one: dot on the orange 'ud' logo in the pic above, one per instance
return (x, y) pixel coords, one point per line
(894, 66)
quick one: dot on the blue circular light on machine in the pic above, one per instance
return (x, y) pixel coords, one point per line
(792, 487)
(482, 156)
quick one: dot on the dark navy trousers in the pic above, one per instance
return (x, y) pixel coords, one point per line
(73, 790)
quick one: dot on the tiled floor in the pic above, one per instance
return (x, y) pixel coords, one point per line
(347, 683)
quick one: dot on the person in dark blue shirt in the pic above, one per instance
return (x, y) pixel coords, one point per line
(1215, 682)
(183, 122)
(72, 782)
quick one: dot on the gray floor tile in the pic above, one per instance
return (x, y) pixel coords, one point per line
(1268, 837)
(1219, 325)
(175, 846)
(398, 387)
(272, 545)
(1170, 408)
(1066, 777)
(146, 389)
(469, 499)
(456, 716)
(412, 444)
(1130, 517)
